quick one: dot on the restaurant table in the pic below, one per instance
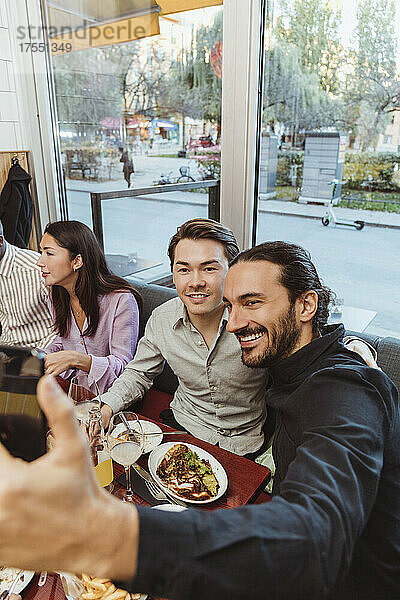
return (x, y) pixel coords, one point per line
(246, 480)
(353, 318)
(125, 265)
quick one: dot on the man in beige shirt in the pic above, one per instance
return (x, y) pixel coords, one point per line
(218, 398)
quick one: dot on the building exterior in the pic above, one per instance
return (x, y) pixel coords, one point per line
(390, 140)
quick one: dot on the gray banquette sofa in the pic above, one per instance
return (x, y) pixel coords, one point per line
(388, 348)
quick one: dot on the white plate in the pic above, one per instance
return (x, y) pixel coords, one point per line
(151, 441)
(8, 575)
(158, 454)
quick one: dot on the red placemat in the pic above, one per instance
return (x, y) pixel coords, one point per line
(51, 590)
(246, 479)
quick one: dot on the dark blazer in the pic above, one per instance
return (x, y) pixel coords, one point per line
(16, 207)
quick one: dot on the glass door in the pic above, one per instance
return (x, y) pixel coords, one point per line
(137, 88)
(329, 149)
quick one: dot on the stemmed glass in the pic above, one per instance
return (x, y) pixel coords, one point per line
(126, 441)
(81, 405)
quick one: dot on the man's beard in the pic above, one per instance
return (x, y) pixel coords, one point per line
(282, 340)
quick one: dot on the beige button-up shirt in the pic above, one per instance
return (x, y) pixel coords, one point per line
(24, 315)
(218, 399)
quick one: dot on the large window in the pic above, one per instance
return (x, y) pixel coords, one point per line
(330, 148)
(138, 103)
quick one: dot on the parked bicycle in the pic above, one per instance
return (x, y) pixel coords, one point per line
(165, 178)
(183, 177)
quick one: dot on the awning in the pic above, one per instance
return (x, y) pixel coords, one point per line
(164, 124)
(168, 7)
(138, 123)
(111, 122)
(96, 24)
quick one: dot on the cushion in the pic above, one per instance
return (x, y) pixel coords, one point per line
(154, 295)
(388, 349)
(153, 403)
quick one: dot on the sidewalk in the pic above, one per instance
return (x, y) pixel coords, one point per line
(312, 211)
(280, 207)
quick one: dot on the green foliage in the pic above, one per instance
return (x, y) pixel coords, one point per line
(375, 171)
(373, 84)
(293, 95)
(313, 82)
(312, 27)
(193, 88)
(285, 161)
(384, 202)
(366, 171)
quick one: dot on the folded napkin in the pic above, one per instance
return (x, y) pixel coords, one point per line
(139, 488)
(72, 586)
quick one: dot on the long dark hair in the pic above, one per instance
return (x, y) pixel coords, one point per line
(298, 274)
(94, 277)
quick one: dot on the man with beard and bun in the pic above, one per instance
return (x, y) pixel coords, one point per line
(332, 528)
(218, 399)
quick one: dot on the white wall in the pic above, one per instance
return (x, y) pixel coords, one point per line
(11, 137)
(25, 122)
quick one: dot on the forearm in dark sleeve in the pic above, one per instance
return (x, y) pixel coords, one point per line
(225, 554)
(300, 544)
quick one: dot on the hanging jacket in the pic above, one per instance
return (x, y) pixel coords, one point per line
(16, 207)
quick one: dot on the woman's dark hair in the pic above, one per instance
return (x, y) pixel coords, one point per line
(298, 274)
(94, 277)
(204, 229)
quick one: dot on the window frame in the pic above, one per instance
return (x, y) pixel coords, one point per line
(241, 97)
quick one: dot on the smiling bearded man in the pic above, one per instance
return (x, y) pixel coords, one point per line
(337, 484)
(279, 303)
(282, 340)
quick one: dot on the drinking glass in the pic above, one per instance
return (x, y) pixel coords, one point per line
(126, 441)
(81, 404)
(100, 452)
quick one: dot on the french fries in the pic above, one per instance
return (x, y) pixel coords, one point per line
(104, 589)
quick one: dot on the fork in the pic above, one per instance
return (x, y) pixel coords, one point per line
(7, 593)
(159, 494)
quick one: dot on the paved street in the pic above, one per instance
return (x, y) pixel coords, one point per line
(363, 267)
(147, 170)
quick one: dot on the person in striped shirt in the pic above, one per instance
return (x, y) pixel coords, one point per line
(25, 318)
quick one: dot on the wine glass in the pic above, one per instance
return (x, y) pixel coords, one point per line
(126, 441)
(81, 404)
